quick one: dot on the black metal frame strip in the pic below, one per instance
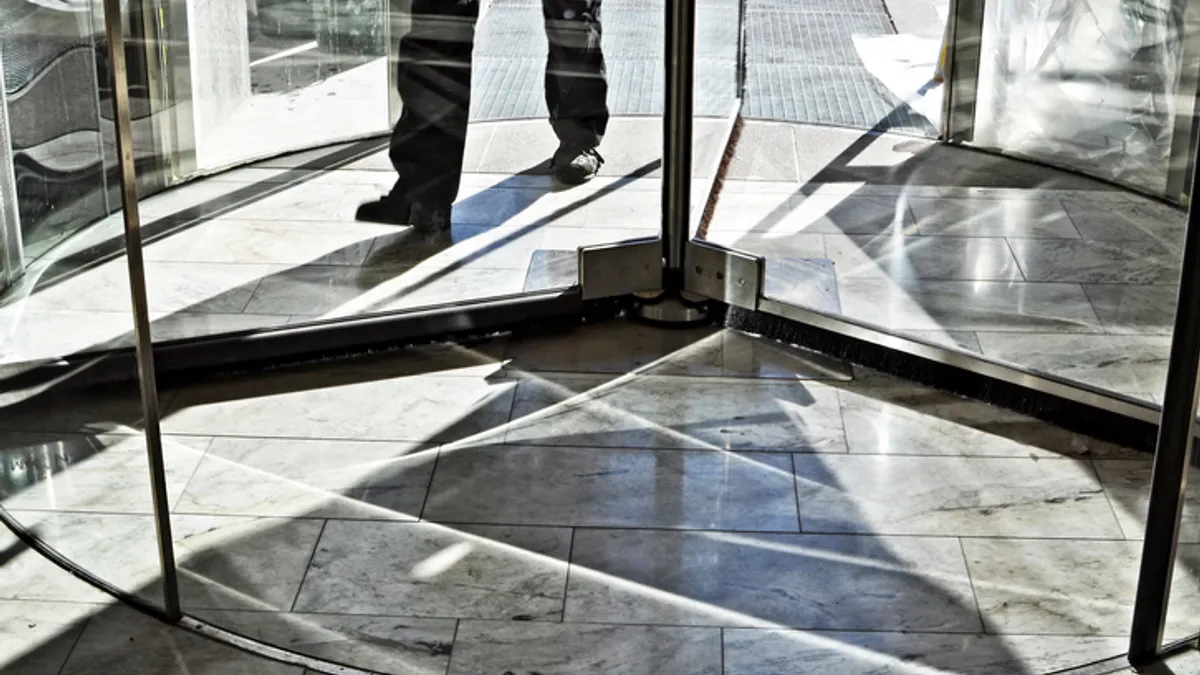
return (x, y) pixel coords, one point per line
(248, 350)
(1172, 456)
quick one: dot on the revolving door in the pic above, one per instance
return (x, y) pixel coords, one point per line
(793, 172)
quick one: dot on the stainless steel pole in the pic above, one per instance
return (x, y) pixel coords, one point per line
(115, 35)
(677, 138)
(11, 249)
(1172, 456)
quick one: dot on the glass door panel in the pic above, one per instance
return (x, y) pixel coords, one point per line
(1105, 88)
(257, 78)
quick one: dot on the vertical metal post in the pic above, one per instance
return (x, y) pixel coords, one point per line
(1171, 458)
(114, 33)
(12, 255)
(677, 138)
(964, 40)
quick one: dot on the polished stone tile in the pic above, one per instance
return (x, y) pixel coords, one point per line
(350, 291)
(392, 645)
(1061, 587)
(489, 647)
(468, 247)
(1034, 218)
(1128, 486)
(105, 473)
(552, 270)
(320, 202)
(108, 647)
(902, 304)
(170, 287)
(284, 242)
(780, 215)
(180, 325)
(37, 637)
(963, 340)
(344, 405)
(777, 652)
(615, 347)
(1124, 363)
(1138, 221)
(573, 238)
(669, 412)
(98, 410)
(425, 287)
(892, 417)
(27, 576)
(419, 569)
(1097, 262)
(241, 563)
(933, 258)
(311, 479)
(121, 549)
(1140, 310)
(320, 289)
(771, 246)
(953, 496)
(594, 487)
(753, 357)
(816, 582)
(765, 152)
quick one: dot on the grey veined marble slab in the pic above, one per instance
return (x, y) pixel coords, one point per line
(953, 496)
(777, 652)
(306, 478)
(892, 417)
(815, 582)
(420, 569)
(600, 487)
(488, 648)
(106, 647)
(670, 412)
(329, 403)
(1063, 587)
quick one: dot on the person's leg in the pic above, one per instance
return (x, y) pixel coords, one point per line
(434, 81)
(576, 86)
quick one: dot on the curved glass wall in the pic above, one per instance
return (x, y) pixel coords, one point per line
(814, 144)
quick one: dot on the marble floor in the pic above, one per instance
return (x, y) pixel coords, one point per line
(1025, 265)
(616, 499)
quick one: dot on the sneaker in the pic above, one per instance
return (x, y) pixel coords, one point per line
(576, 167)
(394, 211)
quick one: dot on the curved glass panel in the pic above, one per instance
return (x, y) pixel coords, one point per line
(1103, 87)
(73, 462)
(256, 78)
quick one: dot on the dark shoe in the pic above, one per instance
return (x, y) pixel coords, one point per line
(393, 211)
(576, 167)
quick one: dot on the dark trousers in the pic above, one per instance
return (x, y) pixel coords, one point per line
(434, 81)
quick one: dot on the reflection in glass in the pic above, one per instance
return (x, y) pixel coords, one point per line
(1039, 268)
(1095, 86)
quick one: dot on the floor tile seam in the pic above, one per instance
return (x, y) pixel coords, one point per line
(528, 445)
(769, 533)
(536, 375)
(86, 624)
(174, 508)
(308, 566)
(420, 515)
(1110, 498)
(453, 644)
(1021, 269)
(983, 624)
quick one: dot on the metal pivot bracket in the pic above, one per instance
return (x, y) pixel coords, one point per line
(620, 269)
(723, 274)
